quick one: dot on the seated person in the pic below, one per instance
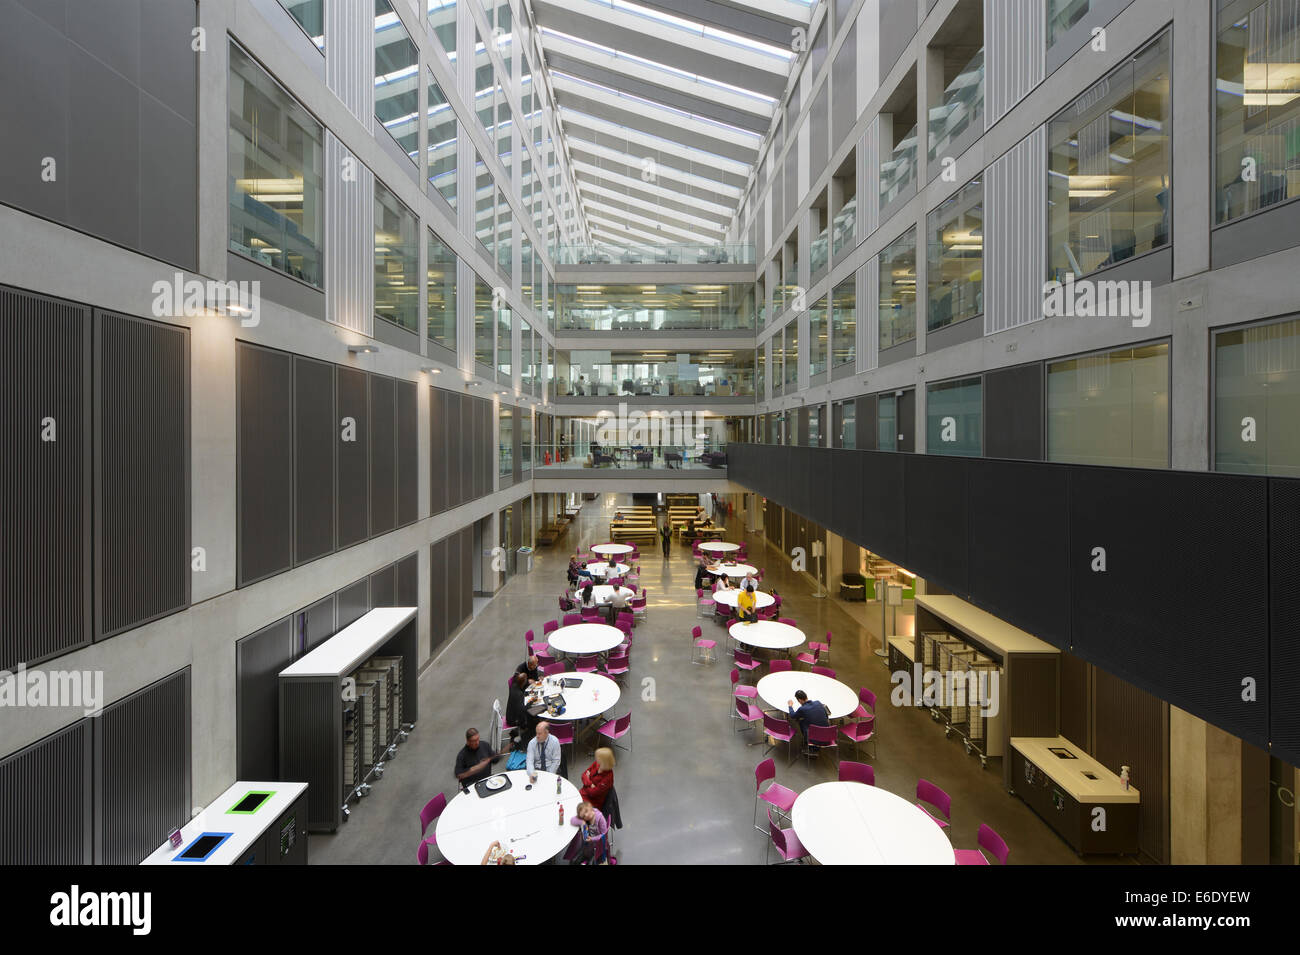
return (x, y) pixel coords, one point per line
(618, 517)
(746, 604)
(618, 601)
(588, 598)
(517, 714)
(475, 759)
(574, 570)
(702, 576)
(598, 778)
(809, 713)
(497, 855)
(543, 753)
(589, 842)
(530, 668)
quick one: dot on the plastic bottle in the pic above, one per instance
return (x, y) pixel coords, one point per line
(559, 808)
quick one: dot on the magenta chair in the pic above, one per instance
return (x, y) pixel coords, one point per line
(572, 619)
(787, 844)
(824, 671)
(741, 690)
(431, 811)
(989, 841)
(928, 794)
(704, 650)
(553, 668)
(625, 617)
(587, 663)
(788, 621)
(422, 853)
(861, 732)
(779, 731)
(550, 626)
(545, 659)
(820, 738)
(617, 729)
(591, 615)
(696, 633)
(823, 648)
(747, 712)
(779, 666)
(775, 795)
(617, 665)
(746, 662)
(803, 656)
(851, 772)
(866, 704)
(562, 731)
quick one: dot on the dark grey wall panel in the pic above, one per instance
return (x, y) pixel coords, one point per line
(142, 473)
(846, 495)
(353, 457)
(1018, 545)
(142, 770)
(1284, 624)
(466, 574)
(315, 436)
(353, 602)
(864, 423)
(437, 450)
(453, 448)
(383, 586)
(264, 412)
(44, 485)
(1155, 617)
(383, 455)
(46, 800)
(1013, 413)
(937, 502)
(259, 658)
(408, 454)
(437, 594)
(883, 509)
(314, 625)
(408, 581)
(466, 453)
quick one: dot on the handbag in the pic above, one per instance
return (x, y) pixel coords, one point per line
(518, 760)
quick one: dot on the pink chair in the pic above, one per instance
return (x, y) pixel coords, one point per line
(746, 662)
(544, 658)
(824, 671)
(787, 844)
(779, 731)
(552, 668)
(422, 853)
(861, 732)
(820, 738)
(776, 795)
(616, 729)
(587, 663)
(747, 712)
(562, 731)
(625, 617)
(779, 666)
(767, 613)
(851, 772)
(866, 704)
(431, 811)
(550, 626)
(708, 646)
(572, 619)
(740, 690)
(617, 665)
(705, 605)
(591, 615)
(825, 648)
(528, 640)
(989, 841)
(929, 795)
(696, 633)
(788, 621)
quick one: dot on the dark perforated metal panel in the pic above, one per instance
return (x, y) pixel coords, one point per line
(383, 455)
(46, 800)
(353, 456)
(438, 598)
(1013, 413)
(1132, 729)
(315, 624)
(937, 519)
(307, 753)
(1018, 545)
(408, 454)
(315, 437)
(1157, 616)
(265, 415)
(453, 448)
(819, 485)
(465, 453)
(142, 473)
(383, 586)
(864, 423)
(44, 484)
(437, 451)
(487, 450)
(259, 658)
(1284, 612)
(846, 498)
(883, 512)
(408, 581)
(353, 602)
(142, 770)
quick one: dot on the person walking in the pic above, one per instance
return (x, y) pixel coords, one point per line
(665, 537)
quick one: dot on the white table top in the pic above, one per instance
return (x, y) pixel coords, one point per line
(777, 689)
(525, 821)
(721, 547)
(603, 570)
(351, 646)
(245, 829)
(732, 570)
(767, 634)
(596, 695)
(728, 598)
(612, 550)
(604, 593)
(857, 824)
(585, 638)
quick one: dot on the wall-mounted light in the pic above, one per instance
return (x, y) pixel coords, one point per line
(362, 349)
(430, 370)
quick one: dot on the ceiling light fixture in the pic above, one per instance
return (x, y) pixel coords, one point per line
(362, 349)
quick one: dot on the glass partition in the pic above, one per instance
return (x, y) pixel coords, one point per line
(505, 441)
(844, 323)
(397, 75)
(817, 343)
(1110, 408)
(484, 322)
(397, 261)
(961, 108)
(792, 356)
(442, 17)
(310, 15)
(505, 344)
(647, 372)
(441, 293)
(441, 154)
(643, 254)
(898, 291)
(898, 172)
(656, 306)
(955, 257)
(954, 417)
(1257, 399)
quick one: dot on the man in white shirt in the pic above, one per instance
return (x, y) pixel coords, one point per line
(618, 601)
(543, 752)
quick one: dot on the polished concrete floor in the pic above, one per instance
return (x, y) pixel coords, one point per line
(687, 788)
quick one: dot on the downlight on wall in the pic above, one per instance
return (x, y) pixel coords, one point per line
(362, 349)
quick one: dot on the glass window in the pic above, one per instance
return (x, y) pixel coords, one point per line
(485, 85)
(898, 291)
(660, 306)
(760, 377)
(277, 200)
(442, 17)
(310, 15)
(441, 301)
(954, 417)
(887, 423)
(505, 239)
(962, 107)
(441, 165)
(1108, 168)
(1257, 97)
(503, 127)
(397, 75)
(844, 323)
(1257, 399)
(1111, 408)
(505, 344)
(955, 258)
(1063, 14)
(527, 357)
(484, 322)
(849, 424)
(898, 172)
(506, 437)
(817, 344)
(485, 199)
(792, 355)
(844, 225)
(397, 262)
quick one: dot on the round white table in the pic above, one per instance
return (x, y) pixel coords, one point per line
(857, 824)
(585, 638)
(596, 695)
(719, 547)
(767, 634)
(731, 570)
(604, 593)
(524, 821)
(606, 570)
(612, 550)
(728, 598)
(777, 690)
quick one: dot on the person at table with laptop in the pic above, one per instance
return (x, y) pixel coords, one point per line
(530, 668)
(543, 752)
(809, 713)
(475, 759)
(517, 712)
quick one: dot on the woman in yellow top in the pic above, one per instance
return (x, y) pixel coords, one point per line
(745, 603)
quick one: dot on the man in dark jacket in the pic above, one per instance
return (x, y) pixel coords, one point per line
(517, 706)
(809, 713)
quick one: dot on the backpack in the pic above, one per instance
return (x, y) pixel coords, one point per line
(518, 760)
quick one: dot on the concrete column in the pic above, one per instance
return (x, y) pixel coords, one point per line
(1208, 795)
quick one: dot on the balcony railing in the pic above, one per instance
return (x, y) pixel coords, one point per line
(729, 254)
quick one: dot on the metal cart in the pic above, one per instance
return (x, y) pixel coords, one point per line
(981, 688)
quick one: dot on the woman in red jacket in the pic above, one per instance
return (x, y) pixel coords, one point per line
(598, 778)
